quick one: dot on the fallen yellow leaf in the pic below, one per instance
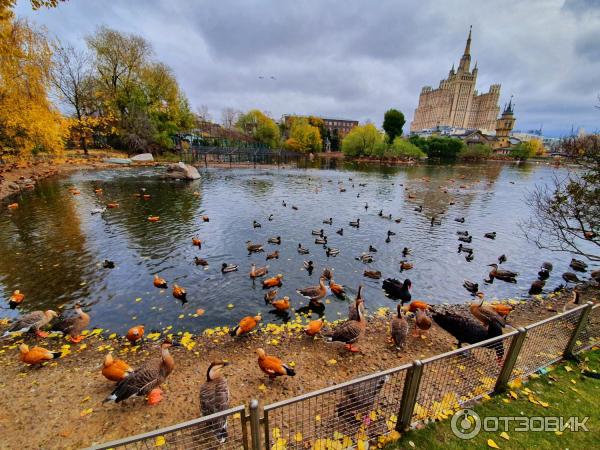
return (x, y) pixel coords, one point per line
(491, 443)
(160, 441)
(504, 435)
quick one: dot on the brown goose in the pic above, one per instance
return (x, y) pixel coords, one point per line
(73, 324)
(148, 376)
(350, 331)
(504, 275)
(257, 272)
(314, 293)
(214, 398)
(32, 322)
(573, 303)
(399, 328)
(422, 322)
(353, 307)
(485, 313)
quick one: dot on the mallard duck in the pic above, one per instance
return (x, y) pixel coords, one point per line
(115, 369)
(328, 221)
(332, 251)
(390, 233)
(547, 266)
(536, 287)
(422, 322)
(578, 265)
(135, 334)
(179, 293)
(160, 283)
(372, 249)
(253, 248)
(153, 218)
(270, 218)
(462, 233)
(399, 328)
(573, 302)
(374, 274)
(226, 268)
(471, 286)
(406, 251)
(270, 295)
(398, 290)
(350, 331)
(485, 313)
(317, 232)
(355, 223)
(214, 398)
(365, 258)
(196, 242)
(283, 203)
(205, 219)
(469, 257)
(302, 250)
(200, 261)
(388, 240)
(504, 275)
(295, 208)
(273, 282)
(255, 224)
(36, 355)
(491, 235)
(273, 366)
(257, 272)
(16, 299)
(314, 327)
(245, 326)
(274, 255)
(467, 239)
(340, 231)
(327, 273)
(380, 213)
(321, 240)
(404, 265)
(570, 277)
(502, 259)
(309, 266)
(463, 249)
(336, 289)
(543, 274)
(73, 324)
(108, 264)
(460, 219)
(314, 293)
(281, 304)
(147, 377)
(31, 322)
(418, 208)
(275, 240)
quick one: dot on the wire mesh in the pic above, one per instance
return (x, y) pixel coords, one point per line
(545, 342)
(339, 416)
(224, 430)
(590, 335)
(452, 379)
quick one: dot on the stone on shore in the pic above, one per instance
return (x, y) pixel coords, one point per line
(143, 157)
(182, 171)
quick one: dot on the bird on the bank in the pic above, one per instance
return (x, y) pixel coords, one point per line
(422, 322)
(314, 293)
(36, 355)
(200, 261)
(573, 302)
(214, 398)
(536, 287)
(16, 299)
(245, 325)
(254, 248)
(399, 328)
(274, 255)
(317, 232)
(275, 240)
(353, 307)
(226, 268)
(470, 286)
(357, 400)
(327, 273)
(404, 265)
(328, 221)
(398, 290)
(332, 251)
(270, 295)
(73, 324)
(503, 309)
(406, 251)
(504, 275)
(463, 249)
(115, 369)
(570, 277)
(108, 264)
(281, 304)
(502, 259)
(418, 304)
(374, 274)
(272, 365)
(257, 272)
(135, 334)
(179, 293)
(303, 250)
(365, 258)
(485, 313)
(340, 231)
(467, 239)
(314, 327)
(98, 210)
(336, 289)
(196, 242)
(31, 322)
(273, 282)
(355, 223)
(147, 377)
(160, 283)
(578, 265)
(350, 331)
(255, 224)
(309, 266)
(321, 240)
(491, 235)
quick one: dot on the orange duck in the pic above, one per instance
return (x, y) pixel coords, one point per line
(502, 309)
(272, 366)
(314, 327)
(245, 326)
(153, 218)
(282, 304)
(418, 304)
(135, 334)
(272, 282)
(179, 293)
(160, 282)
(197, 242)
(112, 205)
(337, 289)
(115, 369)
(16, 299)
(36, 355)
(422, 322)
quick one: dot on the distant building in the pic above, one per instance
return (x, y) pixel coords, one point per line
(456, 103)
(340, 126)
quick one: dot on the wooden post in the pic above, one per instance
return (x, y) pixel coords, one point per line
(583, 320)
(409, 396)
(510, 360)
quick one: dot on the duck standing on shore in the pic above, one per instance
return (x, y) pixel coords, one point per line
(399, 328)
(31, 322)
(245, 326)
(35, 356)
(350, 331)
(273, 366)
(73, 324)
(115, 369)
(214, 398)
(135, 334)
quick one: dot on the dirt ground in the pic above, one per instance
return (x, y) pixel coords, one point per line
(60, 405)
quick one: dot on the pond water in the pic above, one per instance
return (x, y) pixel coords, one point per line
(52, 247)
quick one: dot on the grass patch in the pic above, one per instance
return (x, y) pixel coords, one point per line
(563, 392)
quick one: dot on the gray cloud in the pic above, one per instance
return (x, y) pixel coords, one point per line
(347, 58)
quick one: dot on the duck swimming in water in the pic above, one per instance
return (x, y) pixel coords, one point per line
(314, 293)
(226, 268)
(309, 266)
(536, 287)
(398, 290)
(317, 232)
(328, 221)
(340, 231)
(466, 239)
(253, 248)
(275, 240)
(570, 277)
(406, 251)
(462, 233)
(578, 265)
(491, 235)
(257, 272)
(255, 224)
(355, 223)
(321, 240)
(108, 264)
(365, 258)
(463, 249)
(16, 299)
(460, 220)
(302, 250)
(502, 259)
(504, 275)
(404, 265)
(159, 282)
(372, 249)
(274, 255)
(200, 261)
(332, 251)
(179, 293)
(374, 274)
(471, 286)
(273, 282)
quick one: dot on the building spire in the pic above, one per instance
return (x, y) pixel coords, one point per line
(468, 46)
(465, 61)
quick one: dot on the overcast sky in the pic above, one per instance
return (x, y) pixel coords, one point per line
(355, 59)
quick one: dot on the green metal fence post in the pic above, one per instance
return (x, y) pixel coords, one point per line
(409, 395)
(510, 360)
(255, 425)
(583, 320)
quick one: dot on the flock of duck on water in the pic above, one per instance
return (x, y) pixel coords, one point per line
(484, 321)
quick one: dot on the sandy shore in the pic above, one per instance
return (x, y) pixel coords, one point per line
(60, 405)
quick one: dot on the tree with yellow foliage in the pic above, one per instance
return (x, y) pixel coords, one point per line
(304, 137)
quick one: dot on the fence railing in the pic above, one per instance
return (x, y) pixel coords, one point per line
(375, 405)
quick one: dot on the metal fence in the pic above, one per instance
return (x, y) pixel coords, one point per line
(369, 408)
(239, 155)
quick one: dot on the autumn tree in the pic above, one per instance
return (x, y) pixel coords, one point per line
(393, 122)
(260, 126)
(303, 136)
(362, 140)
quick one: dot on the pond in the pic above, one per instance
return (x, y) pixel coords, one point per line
(52, 247)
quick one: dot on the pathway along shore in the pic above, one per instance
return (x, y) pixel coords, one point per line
(60, 405)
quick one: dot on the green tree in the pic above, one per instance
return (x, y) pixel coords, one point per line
(261, 127)
(362, 141)
(393, 121)
(522, 151)
(438, 146)
(401, 148)
(304, 137)
(475, 152)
